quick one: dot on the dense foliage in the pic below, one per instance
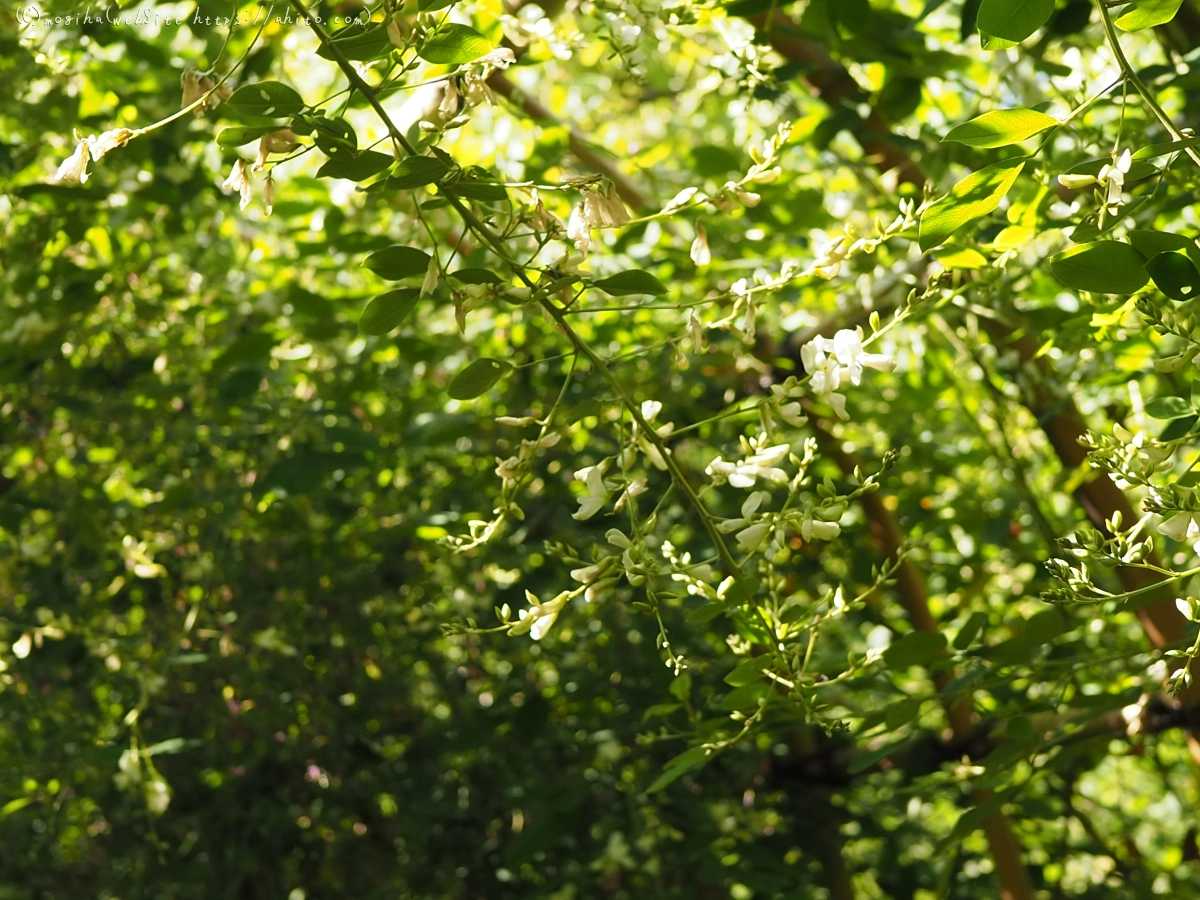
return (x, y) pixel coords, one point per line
(602, 449)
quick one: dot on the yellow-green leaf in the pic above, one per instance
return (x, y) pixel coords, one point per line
(976, 195)
(1000, 128)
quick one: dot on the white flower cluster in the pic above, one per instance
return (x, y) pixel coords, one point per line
(829, 361)
(761, 462)
(91, 148)
(834, 250)
(599, 208)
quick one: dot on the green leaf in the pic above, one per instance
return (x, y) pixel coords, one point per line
(917, 648)
(434, 5)
(476, 276)
(970, 630)
(1000, 128)
(1147, 13)
(1169, 408)
(631, 281)
(706, 613)
(396, 262)
(415, 172)
(359, 42)
(1151, 151)
(452, 44)
(689, 759)
(334, 137)
(1011, 21)
(357, 168)
(748, 672)
(383, 313)
(1175, 275)
(976, 195)
(478, 378)
(1104, 267)
(849, 17)
(1177, 428)
(265, 99)
(1152, 243)
(239, 135)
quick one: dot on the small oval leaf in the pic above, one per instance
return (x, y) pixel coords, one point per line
(452, 44)
(1000, 128)
(1103, 267)
(1169, 408)
(357, 168)
(396, 262)
(267, 99)
(1147, 14)
(918, 648)
(1174, 275)
(478, 378)
(1011, 21)
(415, 172)
(632, 281)
(386, 311)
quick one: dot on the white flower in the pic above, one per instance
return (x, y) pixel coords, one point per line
(603, 208)
(761, 464)
(696, 331)
(597, 493)
(822, 524)
(700, 253)
(269, 194)
(109, 140)
(431, 278)
(501, 58)
(1075, 182)
(578, 229)
(750, 539)
(848, 348)
(395, 35)
(829, 257)
(633, 489)
(1183, 525)
(74, 167)
(1112, 179)
(540, 616)
(238, 180)
(651, 409)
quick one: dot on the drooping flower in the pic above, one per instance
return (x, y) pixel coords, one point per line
(239, 180)
(269, 194)
(282, 141)
(700, 253)
(108, 141)
(74, 168)
(1183, 525)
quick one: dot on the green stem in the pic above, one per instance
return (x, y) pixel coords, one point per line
(493, 241)
(1110, 32)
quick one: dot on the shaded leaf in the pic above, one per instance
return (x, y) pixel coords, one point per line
(1169, 408)
(477, 378)
(1104, 267)
(266, 99)
(359, 42)
(357, 168)
(632, 281)
(1003, 23)
(397, 261)
(387, 311)
(1175, 275)
(918, 648)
